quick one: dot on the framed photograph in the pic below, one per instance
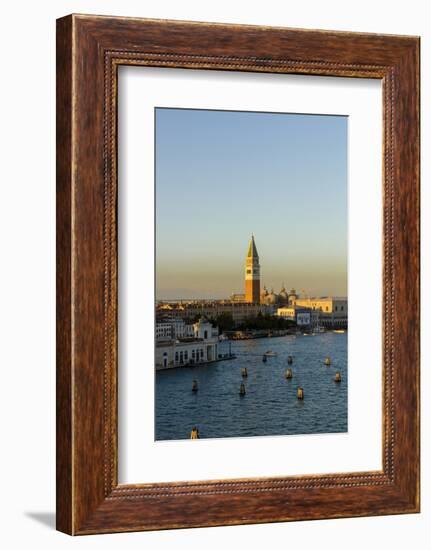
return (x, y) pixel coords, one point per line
(237, 274)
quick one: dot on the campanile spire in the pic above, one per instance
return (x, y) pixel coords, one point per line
(252, 274)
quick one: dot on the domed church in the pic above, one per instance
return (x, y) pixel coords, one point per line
(272, 299)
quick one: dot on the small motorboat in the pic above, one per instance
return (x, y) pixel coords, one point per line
(339, 331)
(270, 354)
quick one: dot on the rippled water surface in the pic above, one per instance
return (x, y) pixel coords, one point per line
(270, 406)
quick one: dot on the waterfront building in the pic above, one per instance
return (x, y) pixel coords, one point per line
(237, 297)
(252, 274)
(163, 331)
(329, 312)
(211, 309)
(200, 348)
(302, 316)
(333, 311)
(326, 304)
(173, 327)
(287, 312)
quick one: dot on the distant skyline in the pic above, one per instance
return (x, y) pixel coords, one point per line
(223, 175)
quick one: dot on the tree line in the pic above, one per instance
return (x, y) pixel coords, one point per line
(225, 322)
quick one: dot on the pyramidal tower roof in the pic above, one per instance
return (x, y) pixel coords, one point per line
(252, 250)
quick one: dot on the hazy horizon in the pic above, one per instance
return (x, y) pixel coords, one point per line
(223, 175)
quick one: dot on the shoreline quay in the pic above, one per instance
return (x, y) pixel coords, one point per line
(200, 364)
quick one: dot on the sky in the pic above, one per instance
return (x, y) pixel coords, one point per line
(223, 175)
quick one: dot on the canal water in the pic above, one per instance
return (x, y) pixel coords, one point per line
(270, 406)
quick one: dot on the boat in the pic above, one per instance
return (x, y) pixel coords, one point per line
(270, 354)
(339, 331)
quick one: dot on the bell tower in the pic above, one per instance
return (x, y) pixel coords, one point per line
(252, 274)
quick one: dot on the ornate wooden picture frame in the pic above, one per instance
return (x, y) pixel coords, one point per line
(89, 51)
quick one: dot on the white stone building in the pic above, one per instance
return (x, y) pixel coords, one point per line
(201, 347)
(173, 328)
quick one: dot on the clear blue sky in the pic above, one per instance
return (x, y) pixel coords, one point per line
(221, 175)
